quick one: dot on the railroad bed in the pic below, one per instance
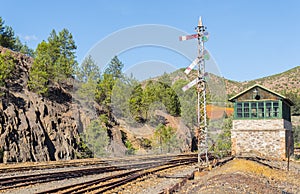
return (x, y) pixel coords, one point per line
(33, 177)
(148, 174)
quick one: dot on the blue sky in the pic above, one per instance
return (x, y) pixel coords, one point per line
(248, 39)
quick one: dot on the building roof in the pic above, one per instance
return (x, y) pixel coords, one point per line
(232, 99)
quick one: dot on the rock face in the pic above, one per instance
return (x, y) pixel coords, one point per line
(35, 128)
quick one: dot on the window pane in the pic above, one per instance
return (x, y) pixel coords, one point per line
(253, 109)
(268, 109)
(246, 107)
(275, 109)
(261, 110)
(239, 105)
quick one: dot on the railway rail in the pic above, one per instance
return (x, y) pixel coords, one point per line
(123, 173)
(137, 163)
(18, 167)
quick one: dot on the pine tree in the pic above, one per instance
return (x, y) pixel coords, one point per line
(96, 138)
(55, 61)
(23, 48)
(7, 36)
(107, 82)
(7, 65)
(165, 139)
(88, 75)
(135, 103)
(62, 48)
(40, 72)
(115, 68)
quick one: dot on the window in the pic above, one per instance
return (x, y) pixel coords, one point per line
(246, 110)
(239, 110)
(261, 110)
(275, 109)
(254, 110)
(269, 109)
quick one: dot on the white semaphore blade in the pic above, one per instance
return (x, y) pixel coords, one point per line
(191, 66)
(189, 85)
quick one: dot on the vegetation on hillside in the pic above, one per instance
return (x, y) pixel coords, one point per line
(54, 61)
(165, 139)
(7, 65)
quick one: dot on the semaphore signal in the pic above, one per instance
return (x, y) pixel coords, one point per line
(201, 130)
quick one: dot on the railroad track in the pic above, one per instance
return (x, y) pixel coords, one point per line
(13, 167)
(13, 182)
(108, 183)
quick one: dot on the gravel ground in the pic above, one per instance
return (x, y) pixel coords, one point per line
(243, 176)
(38, 188)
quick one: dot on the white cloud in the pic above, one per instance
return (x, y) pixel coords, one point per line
(28, 38)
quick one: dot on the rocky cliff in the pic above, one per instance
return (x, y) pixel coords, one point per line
(43, 128)
(36, 128)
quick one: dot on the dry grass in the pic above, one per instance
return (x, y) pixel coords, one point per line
(254, 168)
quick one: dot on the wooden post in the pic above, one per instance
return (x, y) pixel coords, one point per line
(288, 151)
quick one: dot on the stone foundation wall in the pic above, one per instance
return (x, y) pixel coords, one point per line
(262, 137)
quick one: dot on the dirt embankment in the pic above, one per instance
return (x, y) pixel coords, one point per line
(244, 176)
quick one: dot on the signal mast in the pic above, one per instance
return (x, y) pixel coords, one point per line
(200, 82)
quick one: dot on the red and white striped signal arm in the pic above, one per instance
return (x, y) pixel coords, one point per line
(188, 37)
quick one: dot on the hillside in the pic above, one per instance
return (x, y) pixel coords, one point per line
(42, 128)
(287, 81)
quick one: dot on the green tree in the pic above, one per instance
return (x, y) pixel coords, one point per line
(115, 68)
(62, 49)
(89, 75)
(107, 82)
(130, 149)
(165, 139)
(135, 103)
(55, 61)
(121, 94)
(104, 90)
(160, 93)
(188, 102)
(7, 35)
(41, 69)
(222, 145)
(166, 79)
(23, 48)
(96, 138)
(7, 65)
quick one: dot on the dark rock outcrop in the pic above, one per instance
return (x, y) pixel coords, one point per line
(36, 128)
